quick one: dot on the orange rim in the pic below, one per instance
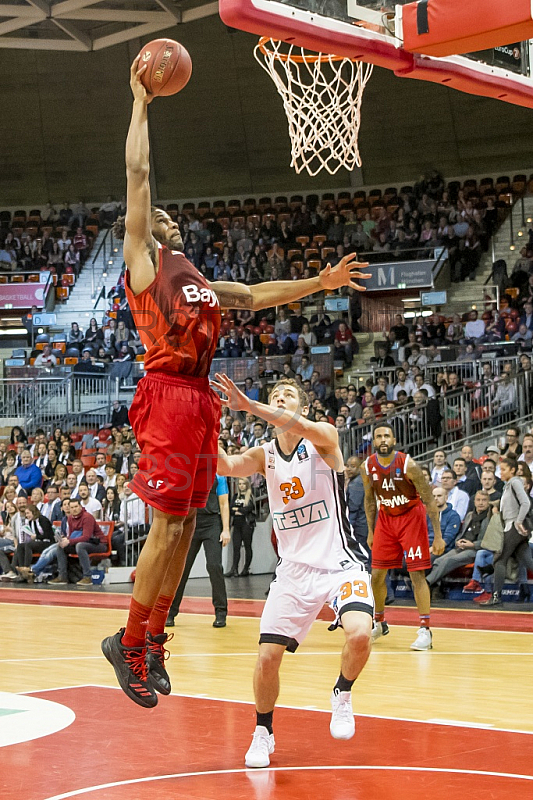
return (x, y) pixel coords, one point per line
(310, 59)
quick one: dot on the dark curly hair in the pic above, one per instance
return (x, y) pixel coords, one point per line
(119, 227)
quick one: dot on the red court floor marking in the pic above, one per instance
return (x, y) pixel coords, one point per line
(112, 741)
(476, 619)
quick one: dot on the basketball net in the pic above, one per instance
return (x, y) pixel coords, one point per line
(322, 97)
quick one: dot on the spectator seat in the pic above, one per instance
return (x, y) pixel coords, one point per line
(188, 208)
(249, 205)
(17, 279)
(107, 528)
(295, 202)
(203, 208)
(33, 278)
(503, 184)
(69, 361)
(233, 206)
(519, 184)
(62, 293)
(264, 204)
(302, 240)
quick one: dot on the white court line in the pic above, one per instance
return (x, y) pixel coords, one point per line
(299, 708)
(362, 768)
(299, 654)
(293, 708)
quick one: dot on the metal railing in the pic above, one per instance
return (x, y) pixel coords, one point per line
(449, 418)
(45, 401)
(137, 518)
(106, 248)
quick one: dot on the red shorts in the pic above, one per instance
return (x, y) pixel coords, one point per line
(399, 537)
(176, 421)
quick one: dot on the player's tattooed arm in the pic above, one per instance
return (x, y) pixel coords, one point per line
(371, 507)
(279, 293)
(233, 295)
(415, 474)
(242, 465)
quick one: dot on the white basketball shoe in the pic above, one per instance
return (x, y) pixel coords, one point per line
(342, 725)
(262, 747)
(423, 641)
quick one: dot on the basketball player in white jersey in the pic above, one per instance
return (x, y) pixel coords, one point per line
(303, 468)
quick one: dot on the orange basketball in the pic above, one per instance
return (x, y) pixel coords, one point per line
(169, 67)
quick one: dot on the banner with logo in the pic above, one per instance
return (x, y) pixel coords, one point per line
(400, 275)
(22, 295)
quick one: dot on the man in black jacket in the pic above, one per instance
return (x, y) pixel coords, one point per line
(119, 417)
(213, 531)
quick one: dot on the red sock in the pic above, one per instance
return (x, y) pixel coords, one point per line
(424, 620)
(158, 617)
(379, 616)
(135, 633)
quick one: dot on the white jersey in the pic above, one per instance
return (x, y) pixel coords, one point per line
(308, 508)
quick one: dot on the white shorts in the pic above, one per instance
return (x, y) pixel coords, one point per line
(298, 594)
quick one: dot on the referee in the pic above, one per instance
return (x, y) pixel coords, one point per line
(212, 530)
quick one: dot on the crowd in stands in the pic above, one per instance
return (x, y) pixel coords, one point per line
(292, 238)
(54, 239)
(55, 496)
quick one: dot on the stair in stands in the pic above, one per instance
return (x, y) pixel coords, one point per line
(461, 296)
(80, 305)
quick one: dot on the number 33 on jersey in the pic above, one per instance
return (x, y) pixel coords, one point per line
(308, 508)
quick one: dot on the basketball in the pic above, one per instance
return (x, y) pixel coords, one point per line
(169, 67)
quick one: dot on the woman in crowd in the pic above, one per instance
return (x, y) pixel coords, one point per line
(55, 259)
(109, 335)
(282, 324)
(36, 535)
(25, 261)
(93, 334)
(60, 476)
(10, 466)
(120, 484)
(17, 435)
(57, 437)
(74, 336)
(37, 498)
(52, 463)
(72, 260)
(308, 336)
(122, 335)
(243, 521)
(7, 537)
(515, 510)
(111, 512)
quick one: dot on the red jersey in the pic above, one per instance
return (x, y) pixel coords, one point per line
(177, 316)
(395, 492)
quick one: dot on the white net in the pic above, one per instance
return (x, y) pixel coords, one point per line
(322, 97)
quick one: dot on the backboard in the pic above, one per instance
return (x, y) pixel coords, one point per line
(371, 31)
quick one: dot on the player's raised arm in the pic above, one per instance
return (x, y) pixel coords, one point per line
(321, 434)
(138, 241)
(242, 465)
(415, 474)
(274, 293)
(371, 507)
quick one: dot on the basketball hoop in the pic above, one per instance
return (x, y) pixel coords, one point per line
(322, 97)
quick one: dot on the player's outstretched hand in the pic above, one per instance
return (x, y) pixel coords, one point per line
(137, 86)
(344, 274)
(235, 399)
(437, 548)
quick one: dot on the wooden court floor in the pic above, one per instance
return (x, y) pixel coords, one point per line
(456, 719)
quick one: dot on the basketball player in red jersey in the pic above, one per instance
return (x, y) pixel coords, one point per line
(400, 530)
(175, 415)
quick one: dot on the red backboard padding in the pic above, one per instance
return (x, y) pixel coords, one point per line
(464, 26)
